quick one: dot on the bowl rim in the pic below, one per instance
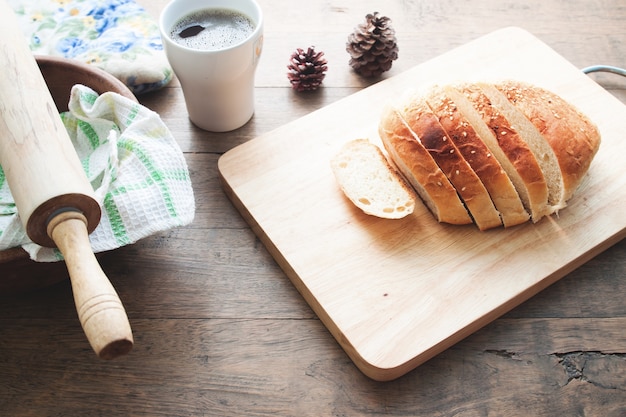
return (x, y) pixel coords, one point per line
(110, 82)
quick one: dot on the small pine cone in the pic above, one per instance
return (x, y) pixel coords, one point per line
(306, 69)
(372, 46)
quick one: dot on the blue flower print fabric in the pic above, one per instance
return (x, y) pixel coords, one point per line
(118, 36)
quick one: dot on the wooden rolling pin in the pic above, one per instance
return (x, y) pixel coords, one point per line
(53, 196)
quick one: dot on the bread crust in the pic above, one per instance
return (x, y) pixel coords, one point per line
(419, 168)
(572, 136)
(424, 123)
(480, 158)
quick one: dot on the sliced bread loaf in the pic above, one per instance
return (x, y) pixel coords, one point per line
(491, 154)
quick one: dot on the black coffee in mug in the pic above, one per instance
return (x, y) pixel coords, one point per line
(212, 29)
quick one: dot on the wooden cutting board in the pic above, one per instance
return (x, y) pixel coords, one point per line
(394, 293)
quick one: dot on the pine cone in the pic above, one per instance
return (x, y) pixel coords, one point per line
(306, 69)
(372, 46)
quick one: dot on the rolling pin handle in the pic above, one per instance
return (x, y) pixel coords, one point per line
(99, 308)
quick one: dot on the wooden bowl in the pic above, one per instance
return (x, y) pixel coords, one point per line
(18, 273)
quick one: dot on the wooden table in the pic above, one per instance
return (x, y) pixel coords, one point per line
(219, 328)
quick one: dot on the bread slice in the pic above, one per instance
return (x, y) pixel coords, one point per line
(536, 142)
(420, 169)
(423, 122)
(486, 166)
(370, 182)
(509, 148)
(572, 137)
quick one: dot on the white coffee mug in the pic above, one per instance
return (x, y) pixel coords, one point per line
(218, 85)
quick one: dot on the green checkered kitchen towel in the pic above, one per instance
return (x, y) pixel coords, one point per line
(135, 166)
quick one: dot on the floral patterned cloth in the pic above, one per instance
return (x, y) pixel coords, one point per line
(116, 35)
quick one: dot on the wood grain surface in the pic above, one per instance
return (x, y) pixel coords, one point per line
(219, 328)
